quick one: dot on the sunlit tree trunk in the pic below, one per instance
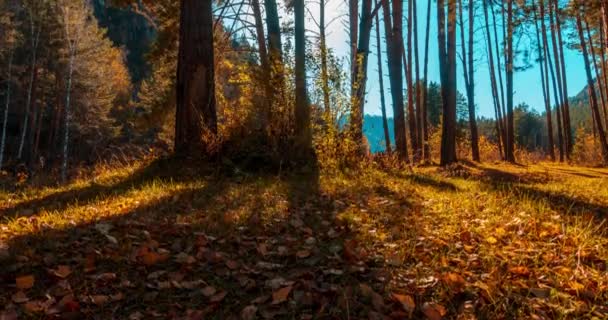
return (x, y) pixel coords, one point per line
(545, 85)
(447, 64)
(425, 104)
(469, 74)
(566, 103)
(393, 29)
(353, 32)
(592, 95)
(560, 93)
(387, 137)
(7, 103)
(499, 71)
(510, 154)
(604, 67)
(196, 118)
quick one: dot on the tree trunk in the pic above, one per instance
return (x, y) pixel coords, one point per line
(492, 68)
(419, 119)
(604, 67)
(196, 118)
(592, 96)
(7, 104)
(324, 74)
(394, 44)
(447, 64)
(566, 102)
(360, 75)
(469, 75)
(353, 21)
(545, 84)
(67, 115)
(425, 130)
(302, 112)
(510, 154)
(598, 77)
(35, 40)
(387, 137)
(264, 63)
(407, 68)
(558, 74)
(503, 103)
(275, 55)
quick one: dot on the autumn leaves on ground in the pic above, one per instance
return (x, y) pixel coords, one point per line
(469, 242)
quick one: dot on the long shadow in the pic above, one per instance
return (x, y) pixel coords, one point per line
(163, 169)
(428, 181)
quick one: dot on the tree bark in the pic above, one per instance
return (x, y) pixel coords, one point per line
(545, 84)
(387, 137)
(324, 74)
(302, 112)
(264, 64)
(425, 130)
(407, 68)
(566, 103)
(469, 75)
(7, 103)
(510, 154)
(417, 87)
(196, 118)
(275, 55)
(592, 95)
(558, 75)
(447, 63)
(394, 45)
(35, 34)
(598, 77)
(503, 103)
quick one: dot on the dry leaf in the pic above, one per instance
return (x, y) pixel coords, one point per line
(218, 297)
(303, 254)
(433, 311)
(520, 271)
(491, 240)
(20, 297)
(33, 307)
(454, 281)
(62, 271)
(249, 312)
(152, 258)
(406, 301)
(208, 291)
(100, 299)
(281, 295)
(24, 282)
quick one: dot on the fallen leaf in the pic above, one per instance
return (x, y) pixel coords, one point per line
(491, 240)
(303, 254)
(454, 281)
(520, 271)
(218, 297)
(433, 311)
(208, 291)
(100, 299)
(541, 292)
(248, 313)
(281, 295)
(62, 271)
(406, 301)
(20, 297)
(152, 258)
(377, 300)
(24, 282)
(33, 307)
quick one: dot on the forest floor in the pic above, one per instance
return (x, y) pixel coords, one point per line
(161, 240)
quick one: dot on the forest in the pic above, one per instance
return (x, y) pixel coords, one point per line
(328, 159)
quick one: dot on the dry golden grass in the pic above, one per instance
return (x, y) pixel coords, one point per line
(469, 242)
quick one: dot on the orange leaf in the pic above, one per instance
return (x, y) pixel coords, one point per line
(152, 258)
(520, 271)
(62, 272)
(281, 295)
(454, 280)
(24, 282)
(406, 301)
(433, 311)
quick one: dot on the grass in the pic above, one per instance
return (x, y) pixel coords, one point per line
(488, 241)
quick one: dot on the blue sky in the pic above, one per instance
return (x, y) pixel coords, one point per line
(526, 83)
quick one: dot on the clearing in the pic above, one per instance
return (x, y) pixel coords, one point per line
(490, 241)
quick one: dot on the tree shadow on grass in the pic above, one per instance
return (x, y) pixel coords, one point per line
(166, 169)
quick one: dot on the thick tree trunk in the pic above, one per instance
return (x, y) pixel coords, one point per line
(566, 103)
(387, 137)
(558, 75)
(447, 60)
(196, 118)
(394, 44)
(6, 105)
(510, 154)
(425, 130)
(592, 95)
(545, 84)
(302, 112)
(360, 75)
(469, 74)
